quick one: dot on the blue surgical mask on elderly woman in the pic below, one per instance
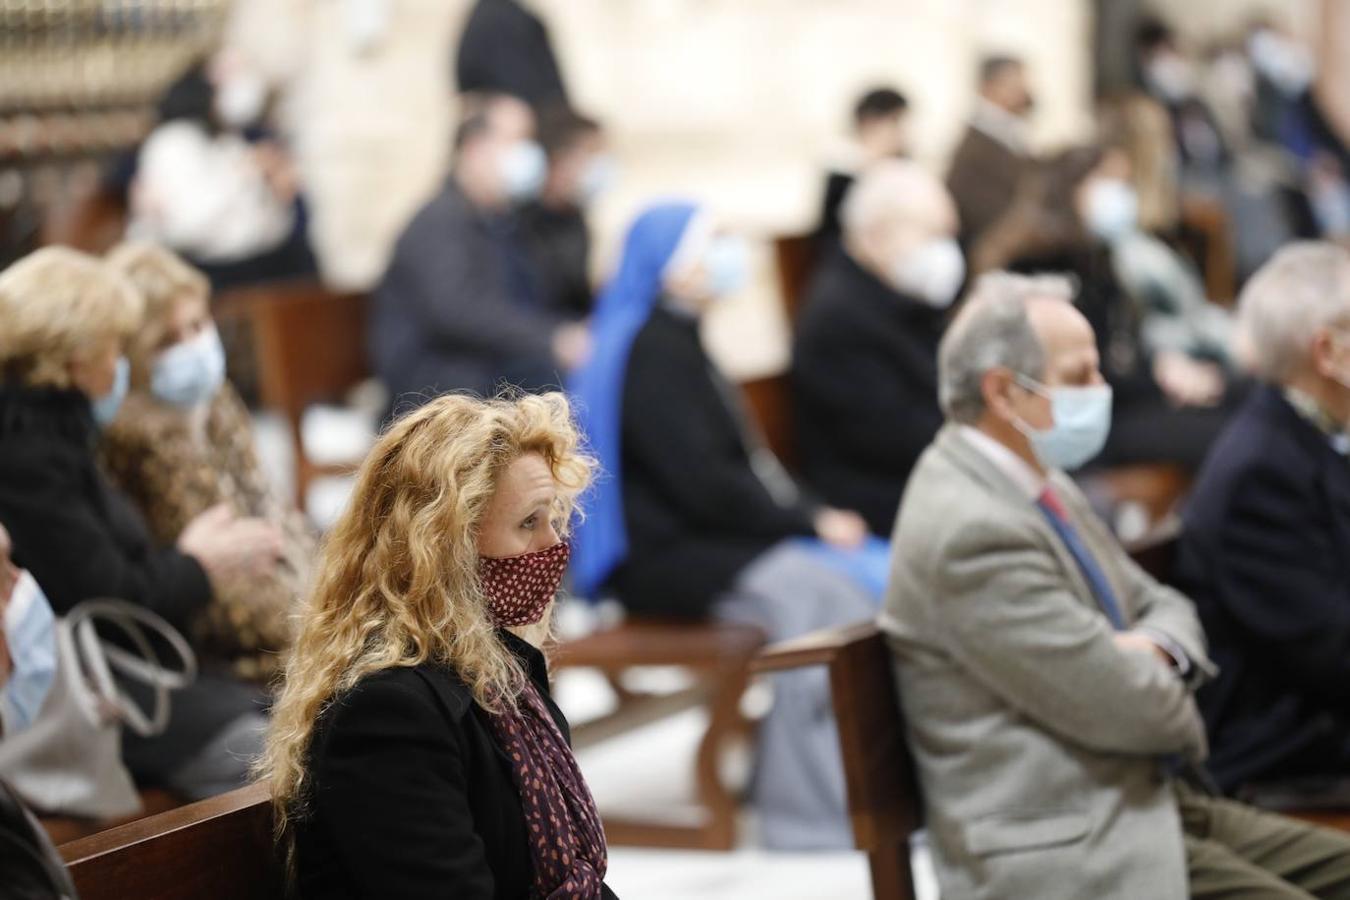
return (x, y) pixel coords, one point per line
(106, 407)
(1082, 423)
(190, 372)
(727, 260)
(30, 635)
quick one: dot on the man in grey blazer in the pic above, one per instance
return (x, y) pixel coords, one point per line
(1046, 679)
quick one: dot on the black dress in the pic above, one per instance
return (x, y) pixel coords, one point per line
(410, 795)
(864, 388)
(697, 512)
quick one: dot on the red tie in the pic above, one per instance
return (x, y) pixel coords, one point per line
(1052, 502)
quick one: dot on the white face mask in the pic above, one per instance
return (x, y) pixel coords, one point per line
(1171, 76)
(189, 373)
(1286, 64)
(931, 272)
(1112, 208)
(523, 167)
(240, 100)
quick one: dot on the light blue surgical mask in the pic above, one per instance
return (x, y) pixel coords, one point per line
(106, 407)
(727, 260)
(1082, 422)
(598, 176)
(191, 372)
(30, 634)
(1112, 209)
(524, 166)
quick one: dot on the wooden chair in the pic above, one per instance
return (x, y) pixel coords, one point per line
(62, 829)
(310, 346)
(770, 401)
(218, 849)
(795, 257)
(93, 219)
(718, 654)
(883, 794)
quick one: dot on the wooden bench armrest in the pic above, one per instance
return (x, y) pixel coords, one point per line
(815, 649)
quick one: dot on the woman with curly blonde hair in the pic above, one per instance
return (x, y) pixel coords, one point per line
(414, 749)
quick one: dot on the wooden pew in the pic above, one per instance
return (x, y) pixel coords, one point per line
(310, 346)
(218, 849)
(883, 794)
(718, 655)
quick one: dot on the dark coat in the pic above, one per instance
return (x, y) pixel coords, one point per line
(505, 48)
(983, 181)
(1265, 555)
(864, 388)
(78, 537)
(411, 797)
(559, 243)
(697, 514)
(459, 306)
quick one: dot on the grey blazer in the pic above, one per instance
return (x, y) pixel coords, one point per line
(1038, 742)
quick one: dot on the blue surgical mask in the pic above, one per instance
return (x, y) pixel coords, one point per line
(30, 634)
(1082, 422)
(931, 273)
(600, 173)
(1112, 209)
(524, 166)
(189, 373)
(106, 407)
(727, 260)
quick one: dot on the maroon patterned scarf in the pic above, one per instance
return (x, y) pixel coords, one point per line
(567, 843)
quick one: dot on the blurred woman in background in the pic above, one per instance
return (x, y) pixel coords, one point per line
(415, 750)
(66, 318)
(183, 444)
(697, 517)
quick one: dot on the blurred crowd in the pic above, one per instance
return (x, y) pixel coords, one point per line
(128, 467)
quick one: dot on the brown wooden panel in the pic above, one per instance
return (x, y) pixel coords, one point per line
(795, 256)
(657, 642)
(218, 849)
(770, 402)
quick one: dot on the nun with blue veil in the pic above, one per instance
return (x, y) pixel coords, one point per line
(694, 517)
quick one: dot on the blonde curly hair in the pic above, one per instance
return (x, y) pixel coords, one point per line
(54, 304)
(397, 580)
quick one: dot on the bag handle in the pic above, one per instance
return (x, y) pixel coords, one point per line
(100, 657)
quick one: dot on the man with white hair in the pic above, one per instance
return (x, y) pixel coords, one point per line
(1266, 547)
(1046, 679)
(864, 372)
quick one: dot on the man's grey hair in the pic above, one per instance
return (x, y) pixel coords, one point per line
(993, 330)
(1304, 288)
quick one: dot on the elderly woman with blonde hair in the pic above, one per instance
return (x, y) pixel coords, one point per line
(64, 320)
(182, 444)
(415, 750)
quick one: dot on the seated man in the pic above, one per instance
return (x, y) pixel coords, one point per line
(1266, 546)
(864, 369)
(554, 226)
(880, 131)
(460, 307)
(1047, 679)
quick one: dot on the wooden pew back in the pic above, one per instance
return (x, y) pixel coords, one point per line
(218, 849)
(883, 794)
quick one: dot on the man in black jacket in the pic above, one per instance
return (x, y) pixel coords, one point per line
(1266, 549)
(460, 305)
(864, 372)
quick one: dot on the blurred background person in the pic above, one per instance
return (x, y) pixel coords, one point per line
(506, 49)
(880, 130)
(1266, 540)
(994, 154)
(698, 517)
(461, 306)
(417, 750)
(66, 318)
(864, 359)
(214, 184)
(554, 226)
(182, 444)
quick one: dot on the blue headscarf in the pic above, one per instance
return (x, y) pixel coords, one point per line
(600, 542)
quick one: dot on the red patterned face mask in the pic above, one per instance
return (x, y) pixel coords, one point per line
(519, 588)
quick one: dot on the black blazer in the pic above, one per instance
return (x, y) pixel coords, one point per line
(1266, 556)
(864, 388)
(410, 795)
(696, 512)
